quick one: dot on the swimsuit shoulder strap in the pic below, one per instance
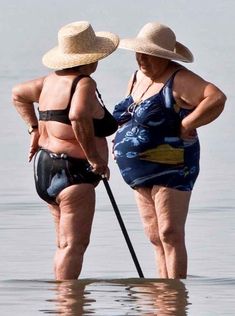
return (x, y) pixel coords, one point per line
(100, 98)
(166, 91)
(133, 81)
(170, 81)
(74, 85)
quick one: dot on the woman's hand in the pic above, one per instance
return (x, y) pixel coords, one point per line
(187, 134)
(34, 137)
(99, 166)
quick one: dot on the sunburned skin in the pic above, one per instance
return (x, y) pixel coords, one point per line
(70, 152)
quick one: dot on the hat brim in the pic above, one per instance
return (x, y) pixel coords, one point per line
(105, 44)
(139, 45)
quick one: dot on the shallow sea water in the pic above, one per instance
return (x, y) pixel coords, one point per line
(109, 283)
(114, 288)
(117, 297)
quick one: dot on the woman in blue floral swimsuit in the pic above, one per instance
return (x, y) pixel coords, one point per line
(156, 146)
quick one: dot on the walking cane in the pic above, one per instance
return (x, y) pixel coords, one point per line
(123, 228)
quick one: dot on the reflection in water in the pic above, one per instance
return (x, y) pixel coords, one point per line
(71, 298)
(162, 297)
(145, 297)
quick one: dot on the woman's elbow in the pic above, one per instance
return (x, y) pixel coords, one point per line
(221, 100)
(16, 94)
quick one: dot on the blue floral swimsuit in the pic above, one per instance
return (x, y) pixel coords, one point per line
(147, 145)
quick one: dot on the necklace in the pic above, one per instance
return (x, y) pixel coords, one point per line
(144, 92)
(131, 108)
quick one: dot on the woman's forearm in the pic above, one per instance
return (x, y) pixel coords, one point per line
(24, 106)
(206, 112)
(83, 130)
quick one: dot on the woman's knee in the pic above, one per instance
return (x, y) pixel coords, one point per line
(171, 235)
(151, 231)
(154, 239)
(74, 246)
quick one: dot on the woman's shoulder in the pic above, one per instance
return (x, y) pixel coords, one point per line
(86, 81)
(183, 75)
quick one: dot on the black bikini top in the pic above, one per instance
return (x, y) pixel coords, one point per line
(102, 127)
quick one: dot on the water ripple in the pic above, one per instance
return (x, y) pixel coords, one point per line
(118, 297)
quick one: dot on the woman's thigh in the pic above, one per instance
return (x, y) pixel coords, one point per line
(171, 206)
(77, 206)
(147, 212)
(55, 211)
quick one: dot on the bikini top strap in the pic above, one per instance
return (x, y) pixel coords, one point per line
(74, 85)
(100, 98)
(133, 81)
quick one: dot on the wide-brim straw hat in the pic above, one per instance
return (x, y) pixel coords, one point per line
(78, 44)
(157, 40)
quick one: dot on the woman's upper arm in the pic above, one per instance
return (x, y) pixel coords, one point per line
(190, 89)
(83, 100)
(29, 91)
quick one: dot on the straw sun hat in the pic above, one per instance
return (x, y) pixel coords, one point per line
(78, 44)
(157, 40)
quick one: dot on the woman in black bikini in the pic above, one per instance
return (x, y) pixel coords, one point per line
(68, 137)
